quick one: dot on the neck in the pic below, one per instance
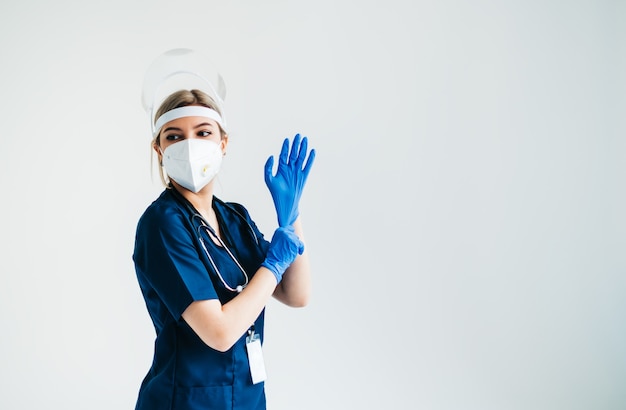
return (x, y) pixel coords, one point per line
(202, 200)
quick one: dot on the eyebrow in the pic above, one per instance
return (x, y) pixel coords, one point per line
(203, 124)
(195, 127)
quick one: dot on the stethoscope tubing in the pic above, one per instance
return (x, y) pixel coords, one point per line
(204, 225)
(207, 228)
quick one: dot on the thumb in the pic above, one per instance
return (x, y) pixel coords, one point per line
(269, 164)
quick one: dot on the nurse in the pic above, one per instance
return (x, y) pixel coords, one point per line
(204, 269)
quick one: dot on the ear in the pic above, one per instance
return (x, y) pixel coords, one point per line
(224, 143)
(157, 149)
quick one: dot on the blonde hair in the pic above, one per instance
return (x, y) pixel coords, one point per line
(183, 98)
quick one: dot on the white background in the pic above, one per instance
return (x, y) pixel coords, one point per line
(465, 215)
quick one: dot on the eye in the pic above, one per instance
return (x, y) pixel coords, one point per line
(205, 133)
(173, 137)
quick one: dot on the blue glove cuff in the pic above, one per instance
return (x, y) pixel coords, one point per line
(283, 250)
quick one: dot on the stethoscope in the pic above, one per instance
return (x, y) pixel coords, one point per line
(204, 226)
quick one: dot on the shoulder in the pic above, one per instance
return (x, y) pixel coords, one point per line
(236, 215)
(237, 207)
(165, 211)
(232, 208)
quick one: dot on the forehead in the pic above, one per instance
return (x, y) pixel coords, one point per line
(190, 122)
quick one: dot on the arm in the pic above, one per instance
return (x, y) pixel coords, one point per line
(220, 326)
(295, 288)
(286, 188)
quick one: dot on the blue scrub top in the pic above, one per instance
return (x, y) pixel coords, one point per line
(173, 271)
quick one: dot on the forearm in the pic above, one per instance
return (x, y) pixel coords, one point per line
(220, 326)
(295, 288)
(244, 309)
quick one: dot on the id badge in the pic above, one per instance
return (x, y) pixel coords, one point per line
(255, 357)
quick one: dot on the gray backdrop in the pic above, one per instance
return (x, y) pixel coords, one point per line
(465, 215)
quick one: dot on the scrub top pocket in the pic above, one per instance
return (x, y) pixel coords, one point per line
(214, 397)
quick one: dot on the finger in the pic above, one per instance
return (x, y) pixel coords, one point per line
(294, 149)
(269, 164)
(309, 163)
(284, 151)
(302, 153)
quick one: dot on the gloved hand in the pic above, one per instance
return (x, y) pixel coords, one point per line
(287, 185)
(283, 250)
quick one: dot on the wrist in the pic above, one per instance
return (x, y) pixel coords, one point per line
(274, 270)
(290, 219)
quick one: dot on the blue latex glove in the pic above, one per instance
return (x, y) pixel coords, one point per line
(283, 250)
(287, 185)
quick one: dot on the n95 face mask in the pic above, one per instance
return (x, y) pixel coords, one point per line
(193, 163)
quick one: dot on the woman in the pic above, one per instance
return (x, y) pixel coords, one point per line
(205, 270)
